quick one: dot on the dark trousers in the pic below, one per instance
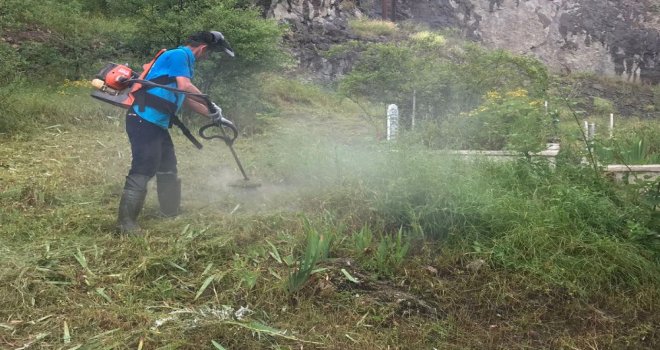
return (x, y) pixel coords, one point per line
(151, 147)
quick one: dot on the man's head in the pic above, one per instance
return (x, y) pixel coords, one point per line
(201, 42)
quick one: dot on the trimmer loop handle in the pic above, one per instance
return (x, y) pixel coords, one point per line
(228, 140)
(222, 125)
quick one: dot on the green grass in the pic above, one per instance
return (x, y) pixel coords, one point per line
(371, 29)
(423, 250)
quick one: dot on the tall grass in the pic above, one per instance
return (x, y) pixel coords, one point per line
(403, 221)
(369, 28)
(564, 225)
(28, 107)
(316, 250)
(632, 143)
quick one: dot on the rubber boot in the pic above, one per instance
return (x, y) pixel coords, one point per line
(168, 186)
(130, 205)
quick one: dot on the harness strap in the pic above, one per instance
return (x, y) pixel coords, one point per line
(142, 98)
(186, 132)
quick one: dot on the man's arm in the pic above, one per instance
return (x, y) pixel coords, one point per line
(184, 83)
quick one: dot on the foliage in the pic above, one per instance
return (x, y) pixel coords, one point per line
(316, 250)
(11, 66)
(382, 253)
(390, 253)
(556, 243)
(603, 106)
(66, 38)
(512, 121)
(57, 39)
(631, 144)
(371, 29)
(445, 80)
(52, 41)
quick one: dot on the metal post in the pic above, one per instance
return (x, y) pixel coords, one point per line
(611, 125)
(392, 121)
(414, 106)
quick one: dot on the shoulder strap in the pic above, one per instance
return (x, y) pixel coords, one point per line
(162, 104)
(147, 66)
(186, 132)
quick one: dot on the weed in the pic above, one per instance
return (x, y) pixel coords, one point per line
(316, 250)
(389, 254)
(362, 240)
(372, 28)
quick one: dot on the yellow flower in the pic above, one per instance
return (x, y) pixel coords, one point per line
(517, 93)
(426, 35)
(75, 83)
(493, 95)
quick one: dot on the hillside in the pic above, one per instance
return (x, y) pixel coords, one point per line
(423, 251)
(350, 241)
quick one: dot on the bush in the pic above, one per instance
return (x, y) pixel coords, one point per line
(603, 106)
(445, 80)
(566, 226)
(633, 143)
(371, 29)
(11, 66)
(511, 121)
(529, 218)
(71, 40)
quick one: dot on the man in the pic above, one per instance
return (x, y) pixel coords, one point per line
(147, 123)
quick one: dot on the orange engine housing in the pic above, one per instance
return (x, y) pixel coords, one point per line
(116, 78)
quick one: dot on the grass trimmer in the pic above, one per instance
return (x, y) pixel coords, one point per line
(116, 84)
(229, 141)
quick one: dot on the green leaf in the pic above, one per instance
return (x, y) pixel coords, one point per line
(274, 253)
(274, 274)
(265, 329)
(66, 337)
(217, 346)
(81, 258)
(206, 283)
(289, 260)
(320, 269)
(207, 269)
(185, 229)
(102, 293)
(350, 277)
(177, 266)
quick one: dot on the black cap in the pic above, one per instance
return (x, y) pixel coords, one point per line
(214, 39)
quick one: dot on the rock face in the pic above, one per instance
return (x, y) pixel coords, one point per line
(316, 25)
(610, 37)
(605, 37)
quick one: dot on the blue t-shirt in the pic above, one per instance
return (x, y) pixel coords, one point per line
(178, 62)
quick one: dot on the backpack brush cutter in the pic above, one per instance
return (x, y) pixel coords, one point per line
(116, 84)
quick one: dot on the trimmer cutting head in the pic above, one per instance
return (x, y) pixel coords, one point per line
(243, 183)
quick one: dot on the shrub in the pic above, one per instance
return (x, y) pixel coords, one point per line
(632, 143)
(11, 65)
(603, 106)
(445, 80)
(371, 29)
(511, 121)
